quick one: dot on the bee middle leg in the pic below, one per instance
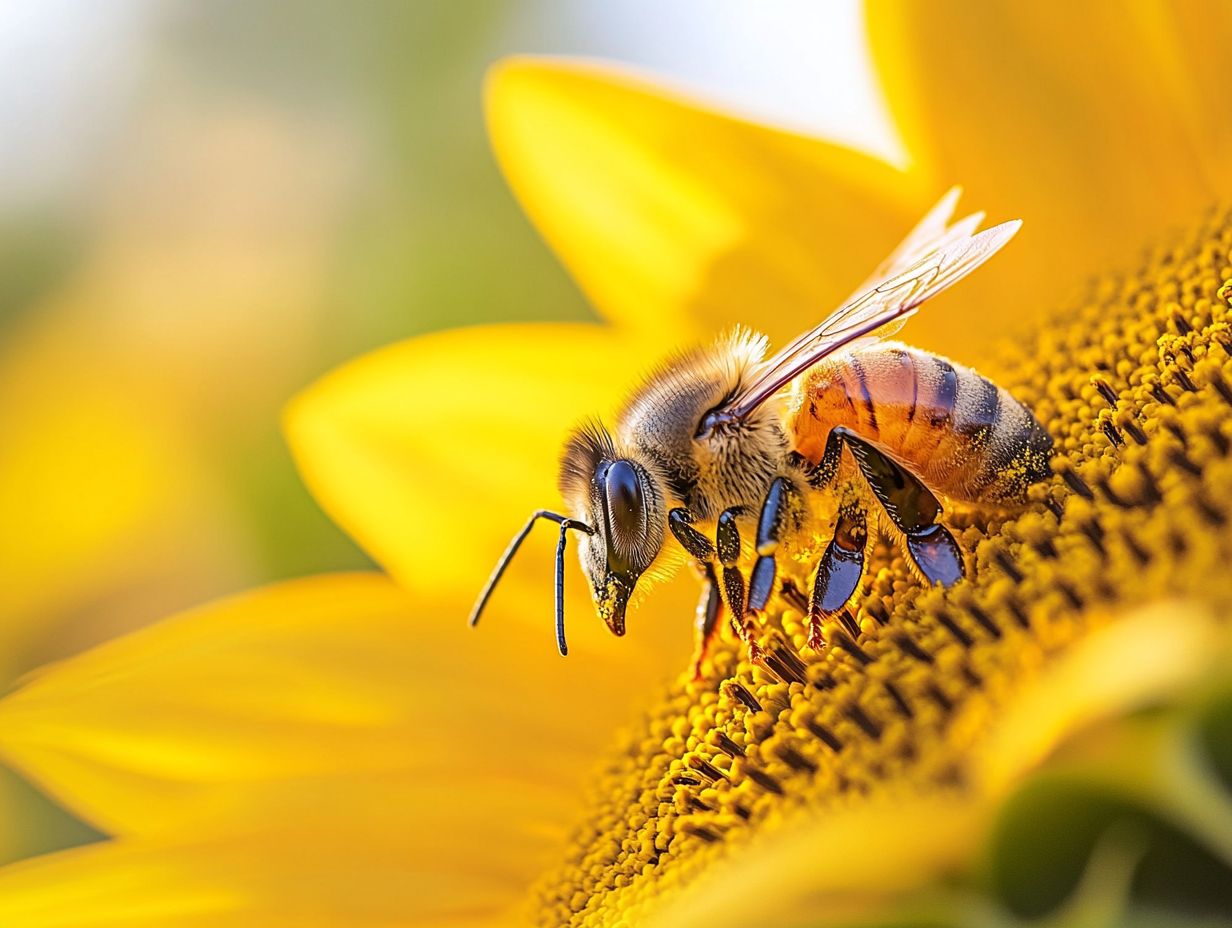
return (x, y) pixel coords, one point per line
(840, 569)
(727, 542)
(782, 512)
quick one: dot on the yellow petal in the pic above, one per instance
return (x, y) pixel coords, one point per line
(1132, 663)
(1099, 125)
(292, 878)
(432, 453)
(302, 689)
(843, 867)
(99, 486)
(671, 216)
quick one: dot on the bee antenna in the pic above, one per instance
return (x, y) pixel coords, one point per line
(565, 524)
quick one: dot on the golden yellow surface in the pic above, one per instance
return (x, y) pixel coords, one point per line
(914, 680)
(341, 751)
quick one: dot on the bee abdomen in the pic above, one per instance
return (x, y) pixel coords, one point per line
(1002, 448)
(967, 437)
(1015, 455)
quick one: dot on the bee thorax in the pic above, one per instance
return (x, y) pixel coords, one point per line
(736, 465)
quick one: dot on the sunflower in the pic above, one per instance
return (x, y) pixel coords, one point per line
(1048, 738)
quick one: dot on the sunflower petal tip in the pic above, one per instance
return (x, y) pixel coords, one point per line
(506, 77)
(509, 85)
(297, 418)
(504, 70)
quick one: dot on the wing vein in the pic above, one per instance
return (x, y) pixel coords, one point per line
(934, 256)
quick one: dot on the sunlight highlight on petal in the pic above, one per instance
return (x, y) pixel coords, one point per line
(1099, 124)
(405, 446)
(301, 688)
(294, 878)
(1131, 664)
(844, 867)
(674, 218)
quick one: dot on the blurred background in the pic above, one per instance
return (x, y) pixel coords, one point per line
(203, 207)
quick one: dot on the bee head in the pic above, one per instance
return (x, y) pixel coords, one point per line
(619, 496)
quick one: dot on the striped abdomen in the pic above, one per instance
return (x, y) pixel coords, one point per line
(965, 436)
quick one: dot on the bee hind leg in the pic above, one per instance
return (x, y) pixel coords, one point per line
(839, 572)
(913, 509)
(936, 555)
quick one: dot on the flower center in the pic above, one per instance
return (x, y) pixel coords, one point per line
(1135, 386)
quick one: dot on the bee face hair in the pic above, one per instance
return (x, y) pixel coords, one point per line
(621, 497)
(588, 447)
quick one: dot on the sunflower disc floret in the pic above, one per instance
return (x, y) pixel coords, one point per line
(1134, 383)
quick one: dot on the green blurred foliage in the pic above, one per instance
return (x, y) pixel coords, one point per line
(1051, 830)
(33, 824)
(421, 235)
(1084, 836)
(36, 251)
(432, 239)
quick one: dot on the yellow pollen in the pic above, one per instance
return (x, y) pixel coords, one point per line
(1134, 383)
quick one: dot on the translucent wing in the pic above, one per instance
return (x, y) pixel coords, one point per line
(933, 256)
(932, 233)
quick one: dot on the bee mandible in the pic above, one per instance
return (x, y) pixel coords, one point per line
(838, 429)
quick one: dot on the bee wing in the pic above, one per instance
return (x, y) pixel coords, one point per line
(932, 233)
(934, 256)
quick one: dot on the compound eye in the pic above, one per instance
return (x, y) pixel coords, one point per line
(626, 510)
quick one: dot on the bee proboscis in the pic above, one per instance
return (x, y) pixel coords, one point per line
(838, 426)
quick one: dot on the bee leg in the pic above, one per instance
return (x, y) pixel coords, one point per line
(708, 610)
(936, 554)
(781, 513)
(727, 551)
(680, 521)
(839, 572)
(825, 470)
(913, 509)
(727, 543)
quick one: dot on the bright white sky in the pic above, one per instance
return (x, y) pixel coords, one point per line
(66, 71)
(67, 68)
(801, 64)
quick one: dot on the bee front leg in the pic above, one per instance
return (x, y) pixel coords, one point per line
(839, 572)
(680, 521)
(732, 590)
(913, 509)
(709, 608)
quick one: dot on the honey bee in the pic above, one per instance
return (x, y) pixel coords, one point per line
(722, 444)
